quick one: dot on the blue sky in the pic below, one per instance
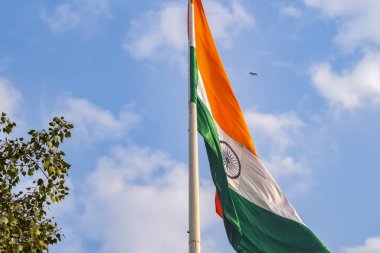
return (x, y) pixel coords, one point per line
(117, 69)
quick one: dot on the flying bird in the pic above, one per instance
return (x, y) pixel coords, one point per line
(253, 73)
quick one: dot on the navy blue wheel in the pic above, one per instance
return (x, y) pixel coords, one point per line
(231, 162)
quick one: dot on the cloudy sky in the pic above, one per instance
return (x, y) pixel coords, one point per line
(117, 69)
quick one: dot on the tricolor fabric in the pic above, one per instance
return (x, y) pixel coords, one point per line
(256, 214)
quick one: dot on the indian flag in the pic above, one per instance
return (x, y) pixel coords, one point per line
(256, 214)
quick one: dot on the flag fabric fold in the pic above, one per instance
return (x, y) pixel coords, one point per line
(256, 214)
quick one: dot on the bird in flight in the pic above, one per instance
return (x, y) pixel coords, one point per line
(253, 73)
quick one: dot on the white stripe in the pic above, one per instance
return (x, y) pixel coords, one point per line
(202, 92)
(255, 182)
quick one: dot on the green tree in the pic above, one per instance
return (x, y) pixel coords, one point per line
(32, 176)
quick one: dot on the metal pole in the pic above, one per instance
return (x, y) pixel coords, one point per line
(194, 217)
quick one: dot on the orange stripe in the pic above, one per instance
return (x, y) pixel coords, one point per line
(218, 206)
(224, 106)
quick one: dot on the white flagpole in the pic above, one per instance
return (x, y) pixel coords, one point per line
(194, 217)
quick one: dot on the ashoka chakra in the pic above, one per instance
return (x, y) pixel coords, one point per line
(231, 161)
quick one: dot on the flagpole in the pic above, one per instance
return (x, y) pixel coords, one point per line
(194, 217)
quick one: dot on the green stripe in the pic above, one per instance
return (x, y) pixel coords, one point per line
(264, 231)
(193, 75)
(207, 128)
(249, 227)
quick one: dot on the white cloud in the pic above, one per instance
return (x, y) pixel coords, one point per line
(278, 133)
(371, 245)
(64, 18)
(281, 165)
(291, 11)
(137, 201)
(278, 129)
(227, 23)
(10, 97)
(358, 20)
(92, 122)
(157, 32)
(359, 86)
(76, 13)
(352, 88)
(163, 32)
